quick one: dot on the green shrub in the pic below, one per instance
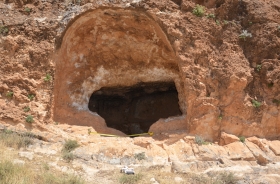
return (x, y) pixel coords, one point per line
(242, 139)
(48, 78)
(220, 117)
(130, 179)
(256, 103)
(210, 16)
(217, 22)
(198, 11)
(4, 30)
(29, 119)
(31, 96)
(70, 145)
(26, 109)
(28, 10)
(67, 156)
(258, 68)
(140, 156)
(10, 94)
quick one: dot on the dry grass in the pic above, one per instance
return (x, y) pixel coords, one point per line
(12, 139)
(31, 172)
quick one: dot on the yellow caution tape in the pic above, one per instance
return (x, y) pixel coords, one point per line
(111, 135)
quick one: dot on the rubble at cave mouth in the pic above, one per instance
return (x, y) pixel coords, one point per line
(134, 109)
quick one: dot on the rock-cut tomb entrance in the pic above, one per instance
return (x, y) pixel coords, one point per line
(117, 72)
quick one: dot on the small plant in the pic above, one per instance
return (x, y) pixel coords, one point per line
(210, 16)
(220, 117)
(258, 68)
(140, 156)
(242, 139)
(10, 94)
(29, 119)
(200, 141)
(70, 145)
(130, 179)
(225, 22)
(250, 23)
(4, 30)
(48, 78)
(68, 156)
(31, 96)
(89, 131)
(244, 34)
(278, 28)
(26, 109)
(28, 10)
(198, 11)
(256, 103)
(217, 22)
(227, 177)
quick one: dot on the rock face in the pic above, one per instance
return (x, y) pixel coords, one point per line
(225, 64)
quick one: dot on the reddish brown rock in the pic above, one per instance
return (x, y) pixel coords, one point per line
(239, 151)
(227, 139)
(275, 147)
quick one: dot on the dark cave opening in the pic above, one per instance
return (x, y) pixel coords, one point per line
(134, 109)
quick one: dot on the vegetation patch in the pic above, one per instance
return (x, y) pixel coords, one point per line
(10, 94)
(256, 103)
(217, 178)
(140, 156)
(200, 141)
(26, 109)
(48, 78)
(29, 119)
(198, 11)
(4, 30)
(15, 140)
(258, 68)
(211, 16)
(130, 179)
(31, 97)
(69, 146)
(28, 10)
(242, 139)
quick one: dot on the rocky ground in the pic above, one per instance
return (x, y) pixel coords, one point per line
(168, 158)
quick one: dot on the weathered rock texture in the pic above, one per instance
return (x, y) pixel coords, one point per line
(219, 76)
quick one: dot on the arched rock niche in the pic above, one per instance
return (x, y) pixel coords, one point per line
(110, 48)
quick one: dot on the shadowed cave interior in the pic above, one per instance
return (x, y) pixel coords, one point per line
(134, 109)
